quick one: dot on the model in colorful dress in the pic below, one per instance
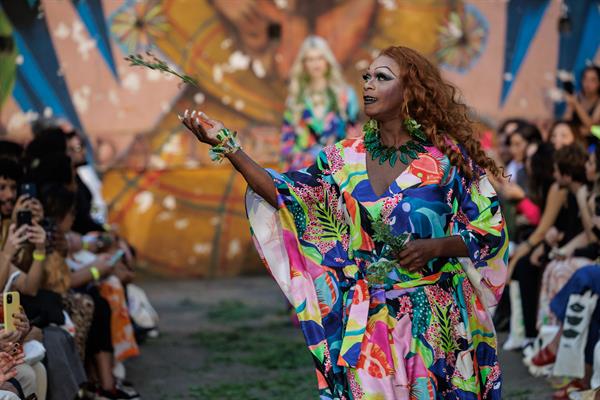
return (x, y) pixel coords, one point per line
(391, 247)
(321, 108)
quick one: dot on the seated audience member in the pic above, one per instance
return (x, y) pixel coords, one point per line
(91, 208)
(9, 387)
(10, 174)
(583, 249)
(32, 374)
(506, 128)
(54, 140)
(559, 224)
(585, 280)
(11, 150)
(540, 171)
(25, 248)
(563, 134)
(59, 204)
(514, 192)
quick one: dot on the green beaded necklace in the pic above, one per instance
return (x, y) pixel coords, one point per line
(408, 151)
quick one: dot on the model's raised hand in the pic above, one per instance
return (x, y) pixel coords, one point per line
(202, 126)
(224, 144)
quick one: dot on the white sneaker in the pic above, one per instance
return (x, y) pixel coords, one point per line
(528, 341)
(512, 344)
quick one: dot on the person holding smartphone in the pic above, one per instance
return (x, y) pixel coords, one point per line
(583, 109)
(79, 287)
(29, 212)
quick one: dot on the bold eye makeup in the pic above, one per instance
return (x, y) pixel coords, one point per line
(383, 77)
(380, 76)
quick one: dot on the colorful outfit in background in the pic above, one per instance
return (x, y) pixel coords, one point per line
(556, 275)
(427, 335)
(303, 136)
(123, 336)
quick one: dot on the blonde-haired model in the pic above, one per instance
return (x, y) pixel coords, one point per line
(321, 107)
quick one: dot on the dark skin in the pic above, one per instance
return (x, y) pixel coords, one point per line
(383, 84)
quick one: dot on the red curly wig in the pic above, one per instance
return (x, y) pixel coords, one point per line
(433, 103)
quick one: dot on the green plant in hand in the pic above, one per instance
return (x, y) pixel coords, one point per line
(154, 63)
(393, 245)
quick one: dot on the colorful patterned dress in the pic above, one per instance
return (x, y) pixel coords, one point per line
(425, 335)
(304, 136)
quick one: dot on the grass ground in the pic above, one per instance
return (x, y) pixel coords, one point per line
(231, 339)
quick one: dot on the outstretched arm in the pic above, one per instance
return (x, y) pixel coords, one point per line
(206, 129)
(257, 178)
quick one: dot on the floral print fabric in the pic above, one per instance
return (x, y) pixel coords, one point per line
(424, 335)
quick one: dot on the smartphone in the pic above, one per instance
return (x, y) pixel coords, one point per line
(116, 257)
(29, 189)
(12, 305)
(568, 87)
(23, 218)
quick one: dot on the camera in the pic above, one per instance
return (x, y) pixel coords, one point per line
(9, 298)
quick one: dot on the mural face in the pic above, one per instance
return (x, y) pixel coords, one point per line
(183, 213)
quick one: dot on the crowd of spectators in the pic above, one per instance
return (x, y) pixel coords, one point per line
(551, 203)
(72, 271)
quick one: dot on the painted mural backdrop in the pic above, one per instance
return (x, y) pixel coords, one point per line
(185, 215)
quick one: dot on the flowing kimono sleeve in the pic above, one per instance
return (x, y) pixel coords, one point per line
(307, 235)
(479, 221)
(304, 244)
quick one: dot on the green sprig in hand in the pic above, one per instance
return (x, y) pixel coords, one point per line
(154, 63)
(393, 245)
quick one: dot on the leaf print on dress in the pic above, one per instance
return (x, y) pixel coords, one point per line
(326, 223)
(327, 292)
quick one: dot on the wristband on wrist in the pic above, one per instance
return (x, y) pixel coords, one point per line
(228, 144)
(39, 255)
(86, 241)
(95, 273)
